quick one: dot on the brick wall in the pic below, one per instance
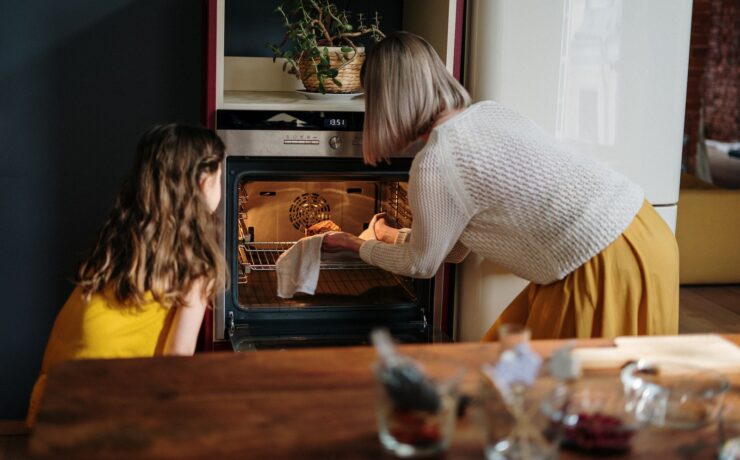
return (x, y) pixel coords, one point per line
(722, 74)
(714, 74)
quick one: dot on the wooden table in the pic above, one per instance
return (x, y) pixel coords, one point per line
(314, 403)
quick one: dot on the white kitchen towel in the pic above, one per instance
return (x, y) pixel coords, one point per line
(369, 232)
(298, 267)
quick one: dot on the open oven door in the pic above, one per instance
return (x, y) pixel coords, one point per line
(257, 336)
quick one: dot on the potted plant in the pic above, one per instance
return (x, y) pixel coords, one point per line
(319, 45)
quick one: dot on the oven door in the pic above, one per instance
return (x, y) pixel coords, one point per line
(269, 203)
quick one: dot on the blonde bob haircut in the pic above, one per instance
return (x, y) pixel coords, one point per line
(406, 89)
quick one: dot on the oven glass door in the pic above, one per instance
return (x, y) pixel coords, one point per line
(271, 202)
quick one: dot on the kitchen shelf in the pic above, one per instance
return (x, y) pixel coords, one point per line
(287, 100)
(259, 83)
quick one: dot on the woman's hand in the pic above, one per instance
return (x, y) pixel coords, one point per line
(339, 241)
(383, 231)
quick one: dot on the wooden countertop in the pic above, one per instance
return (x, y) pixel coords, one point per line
(310, 403)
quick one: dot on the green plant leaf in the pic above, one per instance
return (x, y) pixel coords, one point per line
(336, 82)
(311, 26)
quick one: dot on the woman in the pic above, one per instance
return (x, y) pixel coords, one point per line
(144, 288)
(601, 261)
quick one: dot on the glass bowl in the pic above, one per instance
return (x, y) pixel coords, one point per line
(673, 395)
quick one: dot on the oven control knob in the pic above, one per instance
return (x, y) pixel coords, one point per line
(335, 142)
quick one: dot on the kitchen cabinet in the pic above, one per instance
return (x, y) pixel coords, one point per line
(254, 82)
(242, 77)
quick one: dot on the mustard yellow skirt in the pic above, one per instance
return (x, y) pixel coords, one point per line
(629, 288)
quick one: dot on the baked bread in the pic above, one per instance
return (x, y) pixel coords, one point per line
(322, 227)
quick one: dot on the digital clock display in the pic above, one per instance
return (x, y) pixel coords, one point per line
(336, 123)
(290, 120)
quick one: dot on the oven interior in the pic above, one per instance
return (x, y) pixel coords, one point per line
(351, 296)
(273, 215)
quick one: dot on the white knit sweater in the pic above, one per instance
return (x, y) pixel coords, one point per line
(491, 180)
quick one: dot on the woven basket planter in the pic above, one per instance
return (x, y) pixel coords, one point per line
(349, 72)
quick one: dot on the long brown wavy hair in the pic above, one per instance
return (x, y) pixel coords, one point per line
(160, 235)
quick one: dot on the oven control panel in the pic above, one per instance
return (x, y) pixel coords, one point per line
(290, 133)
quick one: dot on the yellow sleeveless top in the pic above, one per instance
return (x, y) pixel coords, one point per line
(101, 328)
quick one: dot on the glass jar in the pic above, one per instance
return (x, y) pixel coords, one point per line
(522, 408)
(417, 405)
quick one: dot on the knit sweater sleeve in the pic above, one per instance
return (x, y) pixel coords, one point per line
(457, 254)
(440, 217)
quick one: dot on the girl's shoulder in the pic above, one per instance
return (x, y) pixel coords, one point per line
(107, 300)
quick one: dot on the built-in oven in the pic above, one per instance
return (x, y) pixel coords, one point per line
(284, 172)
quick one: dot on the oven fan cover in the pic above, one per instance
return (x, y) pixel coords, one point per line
(308, 209)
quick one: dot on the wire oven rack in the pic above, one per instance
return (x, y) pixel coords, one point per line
(262, 256)
(338, 288)
(343, 281)
(395, 202)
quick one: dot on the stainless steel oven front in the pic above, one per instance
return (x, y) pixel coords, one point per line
(285, 171)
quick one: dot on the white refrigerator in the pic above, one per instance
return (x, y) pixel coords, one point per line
(606, 77)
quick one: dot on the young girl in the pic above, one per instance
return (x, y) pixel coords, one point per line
(601, 261)
(144, 289)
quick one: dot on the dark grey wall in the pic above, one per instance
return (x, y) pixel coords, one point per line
(80, 80)
(250, 25)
